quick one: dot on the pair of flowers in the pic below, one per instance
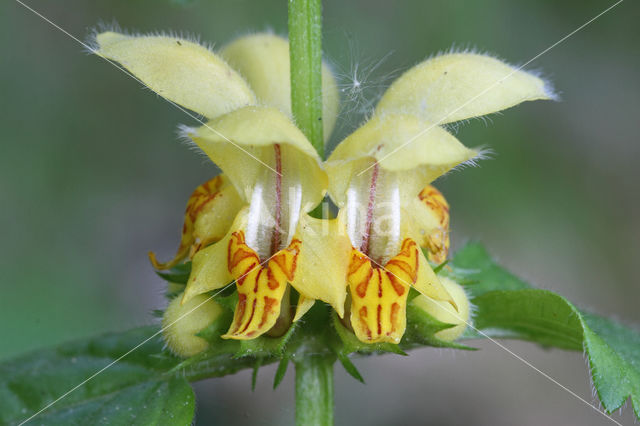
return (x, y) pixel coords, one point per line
(251, 223)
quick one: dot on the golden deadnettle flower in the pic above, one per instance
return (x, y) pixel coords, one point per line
(377, 177)
(248, 225)
(267, 246)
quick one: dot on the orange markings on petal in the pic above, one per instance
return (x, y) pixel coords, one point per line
(197, 204)
(363, 321)
(437, 242)
(269, 308)
(395, 309)
(379, 295)
(260, 287)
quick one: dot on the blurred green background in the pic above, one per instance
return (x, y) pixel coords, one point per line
(92, 177)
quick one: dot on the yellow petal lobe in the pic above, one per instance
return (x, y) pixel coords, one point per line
(426, 220)
(418, 151)
(379, 295)
(304, 304)
(260, 287)
(263, 60)
(435, 229)
(231, 140)
(323, 262)
(179, 70)
(209, 266)
(210, 212)
(443, 311)
(459, 86)
(428, 284)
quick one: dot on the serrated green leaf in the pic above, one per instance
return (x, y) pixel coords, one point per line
(535, 315)
(280, 372)
(132, 391)
(474, 268)
(614, 357)
(507, 307)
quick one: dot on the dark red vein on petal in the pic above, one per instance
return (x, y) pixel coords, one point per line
(366, 238)
(275, 242)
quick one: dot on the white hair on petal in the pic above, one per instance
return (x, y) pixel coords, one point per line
(469, 49)
(113, 26)
(549, 88)
(353, 87)
(269, 30)
(183, 132)
(483, 153)
(473, 50)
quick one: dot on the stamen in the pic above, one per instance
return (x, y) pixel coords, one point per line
(364, 247)
(275, 241)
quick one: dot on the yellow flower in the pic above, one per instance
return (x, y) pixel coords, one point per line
(248, 225)
(377, 177)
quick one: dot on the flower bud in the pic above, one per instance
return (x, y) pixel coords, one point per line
(181, 323)
(445, 312)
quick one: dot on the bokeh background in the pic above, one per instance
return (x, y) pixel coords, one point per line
(92, 177)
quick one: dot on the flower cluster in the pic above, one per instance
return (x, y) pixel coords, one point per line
(251, 225)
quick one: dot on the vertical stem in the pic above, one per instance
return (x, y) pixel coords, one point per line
(314, 391)
(314, 374)
(305, 44)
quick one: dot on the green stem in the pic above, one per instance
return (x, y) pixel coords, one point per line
(305, 41)
(314, 374)
(314, 391)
